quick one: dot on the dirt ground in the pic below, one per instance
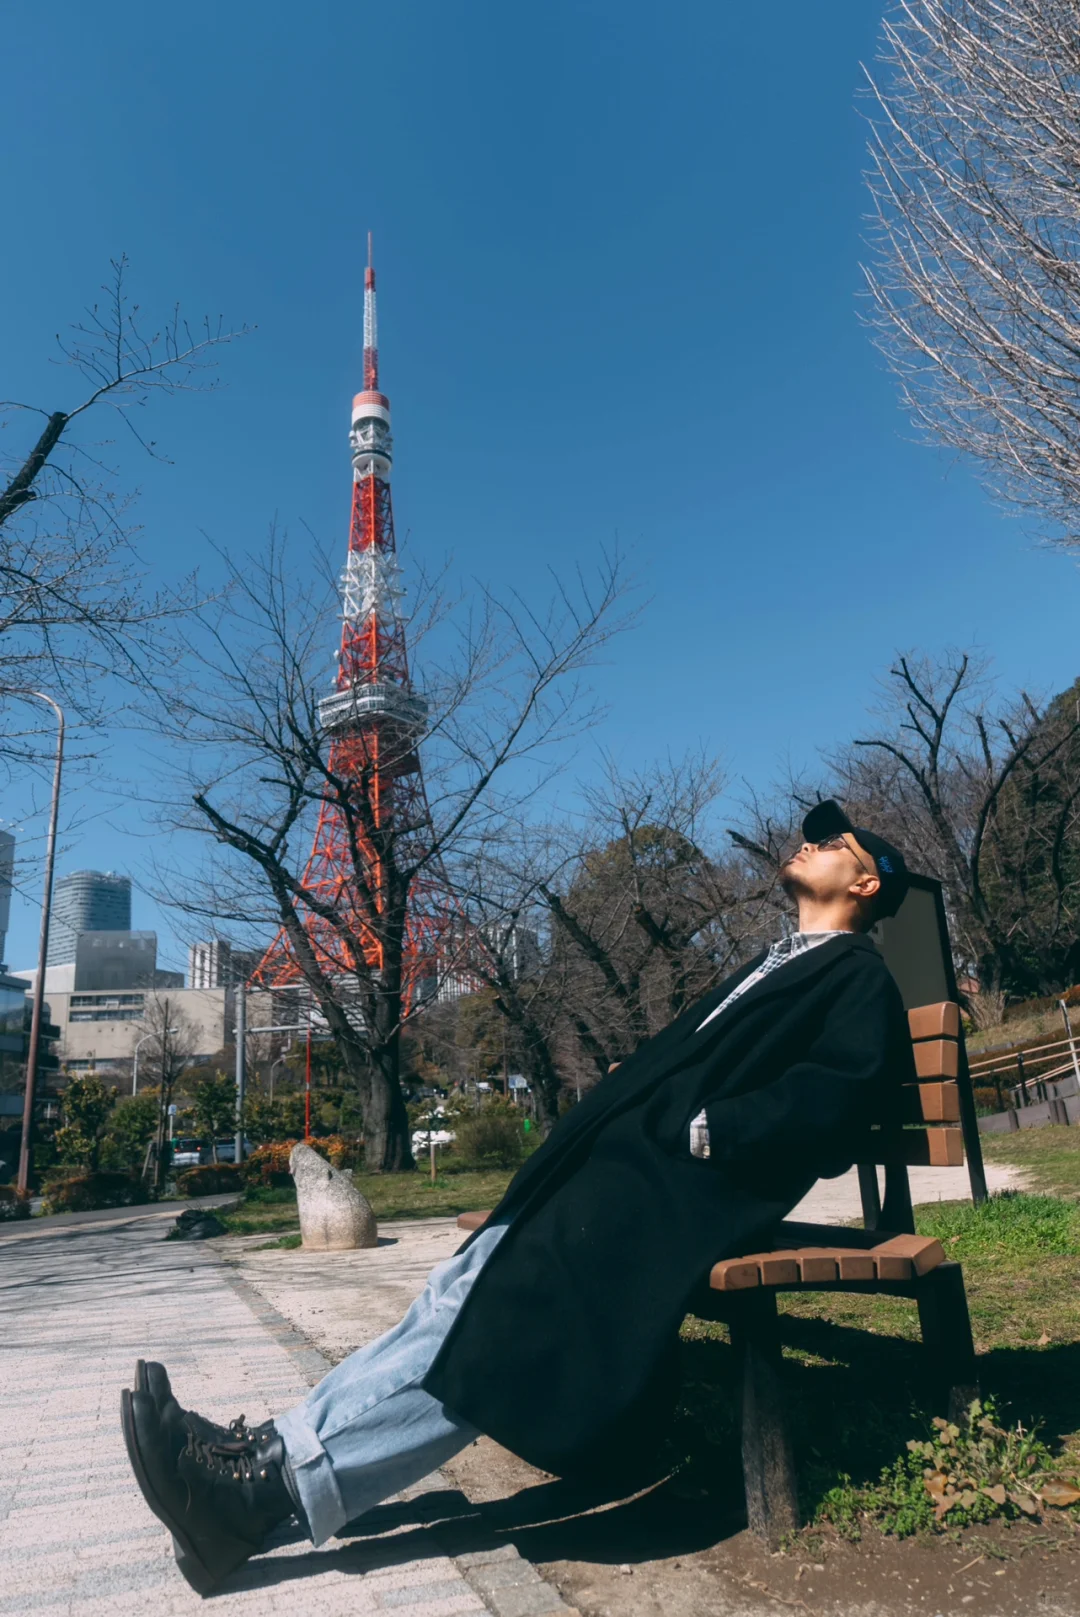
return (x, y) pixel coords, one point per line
(660, 1555)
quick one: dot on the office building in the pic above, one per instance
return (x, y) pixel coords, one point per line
(14, 1025)
(215, 963)
(86, 901)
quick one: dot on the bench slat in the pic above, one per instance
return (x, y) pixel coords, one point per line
(937, 1058)
(922, 1251)
(931, 1147)
(935, 1021)
(931, 1103)
(899, 1257)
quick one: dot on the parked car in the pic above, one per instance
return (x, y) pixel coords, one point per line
(226, 1150)
(187, 1152)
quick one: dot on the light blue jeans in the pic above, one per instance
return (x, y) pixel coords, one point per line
(369, 1429)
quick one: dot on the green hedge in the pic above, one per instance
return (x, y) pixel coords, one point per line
(12, 1205)
(85, 1192)
(214, 1179)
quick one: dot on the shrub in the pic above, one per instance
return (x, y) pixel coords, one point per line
(492, 1137)
(86, 1105)
(130, 1128)
(215, 1179)
(268, 1165)
(84, 1192)
(12, 1205)
(961, 1475)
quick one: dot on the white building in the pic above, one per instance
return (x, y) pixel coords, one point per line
(99, 1031)
(215, 963)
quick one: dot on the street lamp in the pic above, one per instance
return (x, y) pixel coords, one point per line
(138, 1046)
(278, 1061)
(23, 1179)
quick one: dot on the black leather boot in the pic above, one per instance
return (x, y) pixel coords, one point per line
(219, 1497)
(153, 1378)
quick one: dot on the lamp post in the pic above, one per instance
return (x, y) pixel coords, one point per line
(23, 1179)
(278, 1061)
(138, 1046)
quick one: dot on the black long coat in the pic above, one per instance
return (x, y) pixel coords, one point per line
(565, 1349)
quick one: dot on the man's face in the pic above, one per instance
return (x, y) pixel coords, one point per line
(832, 869)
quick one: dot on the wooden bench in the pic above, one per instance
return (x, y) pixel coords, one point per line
(742, 1291)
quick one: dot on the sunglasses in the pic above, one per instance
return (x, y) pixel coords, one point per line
(835, 844)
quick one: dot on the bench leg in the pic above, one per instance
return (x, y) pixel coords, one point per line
(870, 1196)
(772, 1507)
(946, 1334)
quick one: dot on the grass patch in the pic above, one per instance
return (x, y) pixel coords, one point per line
(1050, 1156)
(392, 1196)
(856, 1383)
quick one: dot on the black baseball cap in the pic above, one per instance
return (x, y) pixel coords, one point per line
(828, 820)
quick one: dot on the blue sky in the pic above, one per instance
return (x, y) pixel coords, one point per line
(618, 270)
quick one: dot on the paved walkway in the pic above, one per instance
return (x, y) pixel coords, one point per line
(832, 1201)
(77, 1307)
(39, 1225)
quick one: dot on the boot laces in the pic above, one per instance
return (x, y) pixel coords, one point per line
(235, 1459)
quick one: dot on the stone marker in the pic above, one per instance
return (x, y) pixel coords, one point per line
(334, 1217)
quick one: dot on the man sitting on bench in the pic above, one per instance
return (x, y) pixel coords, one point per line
(554, 1329)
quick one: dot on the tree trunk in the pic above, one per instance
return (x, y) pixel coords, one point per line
(387, 1139)
(163, 1112)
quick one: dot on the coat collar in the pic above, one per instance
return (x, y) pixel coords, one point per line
(795, 971)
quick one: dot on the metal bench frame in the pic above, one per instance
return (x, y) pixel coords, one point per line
(750, 1310)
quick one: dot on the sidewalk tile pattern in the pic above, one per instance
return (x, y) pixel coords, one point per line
(77, 1308)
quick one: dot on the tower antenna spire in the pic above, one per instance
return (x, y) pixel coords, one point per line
(371, 326)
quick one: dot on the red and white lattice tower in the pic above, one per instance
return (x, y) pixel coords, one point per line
(374, 719)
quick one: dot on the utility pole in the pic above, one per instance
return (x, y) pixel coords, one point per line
(23, 1180)
(241, 1066)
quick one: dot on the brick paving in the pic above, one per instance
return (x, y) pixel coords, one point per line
(77, 1307)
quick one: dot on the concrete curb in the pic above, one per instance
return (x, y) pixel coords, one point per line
(508, 1585)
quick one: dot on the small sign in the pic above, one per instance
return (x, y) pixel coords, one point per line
(173, 1111)
(517, 1082)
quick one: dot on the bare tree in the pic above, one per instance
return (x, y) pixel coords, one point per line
(501, 706)
(506, 946)
(975, 179)
(170, 1044)
(984, 795)
(634, 917)
(73, 606)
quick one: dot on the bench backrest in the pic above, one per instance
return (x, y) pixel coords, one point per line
(931, 1136)
(930, 1107)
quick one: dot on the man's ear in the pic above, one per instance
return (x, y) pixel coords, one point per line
(866, 886)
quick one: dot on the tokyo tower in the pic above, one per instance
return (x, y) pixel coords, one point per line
(373, 817)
